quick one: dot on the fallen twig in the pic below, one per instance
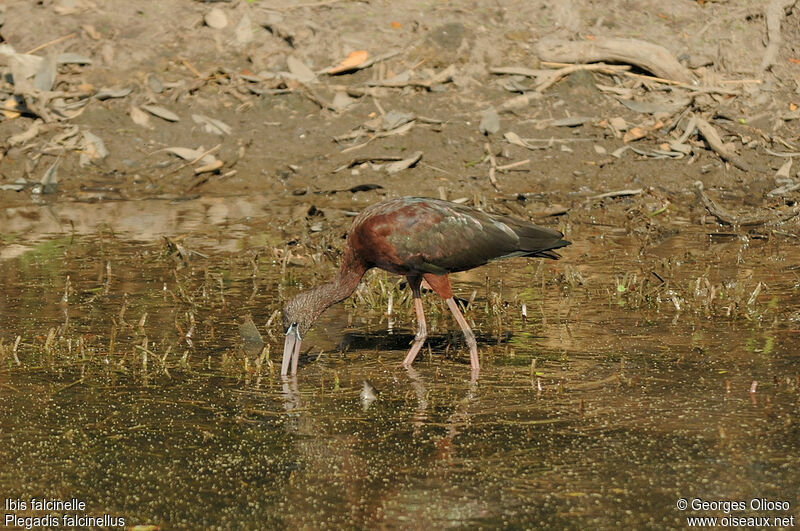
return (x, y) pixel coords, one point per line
(652, 57)
(361, 160)
(774, 14)
(493, 165)
(316, 98)
(192, 69)
(618, 193)
(300, 6)
(726, 217)
(697, 89)
(561, 72)
(403, 129)
(779, 154)
(517, 71)
(437, 79)
(715, 142)
(513, 165)
(48, 43)
(742, 81)
(196, 159)
(701, 89)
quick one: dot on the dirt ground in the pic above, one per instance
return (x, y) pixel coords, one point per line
(297, 134)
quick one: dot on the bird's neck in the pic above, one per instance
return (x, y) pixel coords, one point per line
(341, 286)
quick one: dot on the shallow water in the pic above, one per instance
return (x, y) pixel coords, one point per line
(130, 388)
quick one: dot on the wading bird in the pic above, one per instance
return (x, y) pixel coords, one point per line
(419, 238)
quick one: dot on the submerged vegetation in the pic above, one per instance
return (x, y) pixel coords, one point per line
(142, 347)
(158, 307)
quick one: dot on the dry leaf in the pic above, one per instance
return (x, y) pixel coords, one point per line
(190, 154)
(399, 131)
(300, 70)
(155, 84)
(211, 125)
(571, 121)
(27, 136)
(139, 117)
(517, 102)
(9, 108)
(49, 180)
(161, 112)
(618, 123)
(114, 92)
(394, 119)
(617, 153)
(91, 31)
(93, 148)
(69, 58)
(352, 61)
(107, 53)
(785, 169)
(22, 66)
(342, 101)
(184, 153)
(513, 138)
(634, 134)
(490, 122)
(214, 166)
(45, 77)
(244, 30)
(401, 165)
(68, 7)
(253, 342)
(95, 145)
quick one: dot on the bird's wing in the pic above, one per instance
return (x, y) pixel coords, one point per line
(433, 236)
(438, 237)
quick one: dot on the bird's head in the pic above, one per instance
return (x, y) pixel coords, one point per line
(298, 316)
(299, 312)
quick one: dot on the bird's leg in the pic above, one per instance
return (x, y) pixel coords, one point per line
(441, 285)
(468, 335)
(422, 328)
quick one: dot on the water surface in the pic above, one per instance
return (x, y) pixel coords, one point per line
(646, 371)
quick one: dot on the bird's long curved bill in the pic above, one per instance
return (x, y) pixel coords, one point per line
(291, 350)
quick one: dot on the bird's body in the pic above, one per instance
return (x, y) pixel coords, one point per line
(418, 238)
(412, 235)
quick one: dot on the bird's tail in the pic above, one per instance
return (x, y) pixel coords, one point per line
(538, 242)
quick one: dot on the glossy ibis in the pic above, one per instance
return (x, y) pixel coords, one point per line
(419, 238)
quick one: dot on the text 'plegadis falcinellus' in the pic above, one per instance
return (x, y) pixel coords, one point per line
(419, 238)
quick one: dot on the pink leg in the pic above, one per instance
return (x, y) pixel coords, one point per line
(422, 328)
(468, 335)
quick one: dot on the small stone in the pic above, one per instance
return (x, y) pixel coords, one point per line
(490, 122)
(215, 19)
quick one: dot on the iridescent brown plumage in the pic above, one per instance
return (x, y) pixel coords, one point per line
(421, 239)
